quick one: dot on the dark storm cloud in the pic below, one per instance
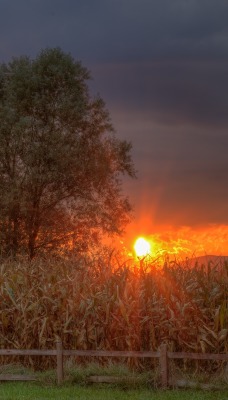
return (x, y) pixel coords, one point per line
(174, 91)
(118, 29)
(161, 66)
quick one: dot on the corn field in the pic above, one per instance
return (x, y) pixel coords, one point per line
(94, 304)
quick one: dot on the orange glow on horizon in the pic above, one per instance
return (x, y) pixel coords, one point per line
(182, 242)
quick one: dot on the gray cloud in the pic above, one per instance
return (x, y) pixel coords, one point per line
(120, 30)
(174, 91)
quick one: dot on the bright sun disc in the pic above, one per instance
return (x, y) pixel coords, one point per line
(142, 247)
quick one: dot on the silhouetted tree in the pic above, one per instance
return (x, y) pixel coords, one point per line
(60, 160)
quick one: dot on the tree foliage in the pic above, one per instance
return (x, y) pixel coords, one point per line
(60, 161)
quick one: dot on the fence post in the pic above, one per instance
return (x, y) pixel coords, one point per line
(59, 349)
(164, 366)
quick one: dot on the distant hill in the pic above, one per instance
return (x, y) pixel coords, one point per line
(212, 260)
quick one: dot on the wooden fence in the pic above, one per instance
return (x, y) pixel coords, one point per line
(163, 355)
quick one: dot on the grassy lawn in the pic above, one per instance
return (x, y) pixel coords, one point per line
(34, 391)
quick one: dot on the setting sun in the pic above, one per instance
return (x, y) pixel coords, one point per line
(142, 247)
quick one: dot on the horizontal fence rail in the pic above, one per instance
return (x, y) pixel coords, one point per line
(163, 355)
(197, 356)
(15, 377)
(102, 353)
(16, 352)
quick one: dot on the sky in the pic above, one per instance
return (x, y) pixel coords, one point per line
(162, 68)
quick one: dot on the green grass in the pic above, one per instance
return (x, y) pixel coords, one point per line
(34, 391)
